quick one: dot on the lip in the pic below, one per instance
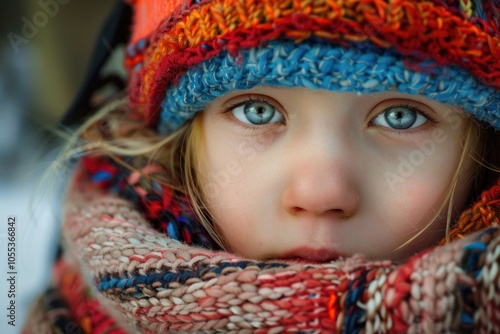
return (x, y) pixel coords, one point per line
(311, 255)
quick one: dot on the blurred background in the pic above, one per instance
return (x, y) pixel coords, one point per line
(45, 50)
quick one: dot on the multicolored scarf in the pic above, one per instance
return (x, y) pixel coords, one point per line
(122, 274)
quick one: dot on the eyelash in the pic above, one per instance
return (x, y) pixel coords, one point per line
(250, 99)
(247, 100)
(409, 106)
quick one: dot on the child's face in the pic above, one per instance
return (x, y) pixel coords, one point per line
(313, 175)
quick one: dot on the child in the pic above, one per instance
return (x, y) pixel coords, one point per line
(287, 166)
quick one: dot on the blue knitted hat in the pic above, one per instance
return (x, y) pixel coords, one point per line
(320, 65)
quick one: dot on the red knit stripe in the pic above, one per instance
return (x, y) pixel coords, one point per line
(85, 309)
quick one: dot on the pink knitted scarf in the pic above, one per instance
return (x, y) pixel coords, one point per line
(120, 275)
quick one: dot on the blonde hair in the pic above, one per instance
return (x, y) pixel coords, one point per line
(111, 133)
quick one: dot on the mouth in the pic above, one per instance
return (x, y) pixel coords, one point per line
(307, 255)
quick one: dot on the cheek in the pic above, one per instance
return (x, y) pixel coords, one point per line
(415, 183)
(219, 167)
(240, 184)
(419, 201)
(239, 220)
(234, 167)
(430, 163)
(227, 191)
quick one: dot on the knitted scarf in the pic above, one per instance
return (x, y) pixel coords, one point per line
(129, 267)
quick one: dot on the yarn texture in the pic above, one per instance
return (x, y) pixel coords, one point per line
(143, 280)
(148, 277)
(317, 65)
(171, 37)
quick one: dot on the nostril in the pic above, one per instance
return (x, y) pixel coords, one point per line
(333, 213)
(298, 210)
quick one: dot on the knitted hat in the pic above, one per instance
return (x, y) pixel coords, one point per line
(184, 54)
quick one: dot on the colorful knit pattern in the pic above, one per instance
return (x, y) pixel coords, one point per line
(151, 283)
(484, 213)
(319, 65)
(181, 35)
(167, 210)
(69, 307)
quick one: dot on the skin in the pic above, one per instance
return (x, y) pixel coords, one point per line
(328, 176)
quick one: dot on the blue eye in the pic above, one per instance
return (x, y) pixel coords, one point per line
(400, 118)
(257, 113)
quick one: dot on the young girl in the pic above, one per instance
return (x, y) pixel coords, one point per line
(285, 166)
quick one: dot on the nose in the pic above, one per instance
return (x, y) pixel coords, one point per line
(321, 184)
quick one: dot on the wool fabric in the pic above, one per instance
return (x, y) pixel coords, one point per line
(143, 280)
(174, 37)
(316, 65)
